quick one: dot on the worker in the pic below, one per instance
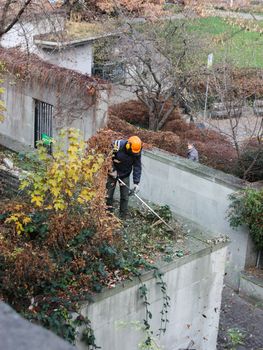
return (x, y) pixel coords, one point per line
(192, 152)
(126, 160)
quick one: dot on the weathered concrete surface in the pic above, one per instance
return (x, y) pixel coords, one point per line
(194, 284)
(19, 334)
(200, 194)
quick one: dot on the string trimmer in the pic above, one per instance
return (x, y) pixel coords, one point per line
(132, 193)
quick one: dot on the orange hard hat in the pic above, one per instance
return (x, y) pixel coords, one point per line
(135, 144)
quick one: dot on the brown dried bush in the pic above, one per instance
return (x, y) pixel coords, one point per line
(136, 113)
(26, 268)
(214, 149)
(176, 126)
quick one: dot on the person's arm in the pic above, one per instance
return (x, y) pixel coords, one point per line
(137, 169)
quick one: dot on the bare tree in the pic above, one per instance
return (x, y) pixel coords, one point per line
(10, 13)
(161, 61)
(237, 95)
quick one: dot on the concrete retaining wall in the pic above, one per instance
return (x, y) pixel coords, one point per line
(194, 284)
(200, 194)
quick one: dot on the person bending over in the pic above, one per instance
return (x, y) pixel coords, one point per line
(126, 159)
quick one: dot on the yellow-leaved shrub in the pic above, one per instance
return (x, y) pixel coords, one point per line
(66, 177)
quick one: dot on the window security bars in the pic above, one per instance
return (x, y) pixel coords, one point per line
(43, 121)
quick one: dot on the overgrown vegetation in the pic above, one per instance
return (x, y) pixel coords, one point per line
(246, 208)
(215, 150)
(250, 162)
(59, 245)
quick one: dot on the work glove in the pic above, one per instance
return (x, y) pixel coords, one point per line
(136, 188)
(113, 174)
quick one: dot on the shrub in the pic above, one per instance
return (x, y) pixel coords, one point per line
(135, 113)
(246, 208)
(214, 149)
(250, 164)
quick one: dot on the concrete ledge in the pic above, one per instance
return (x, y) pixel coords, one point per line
(251, 286)
(201, 170)
(148, 275)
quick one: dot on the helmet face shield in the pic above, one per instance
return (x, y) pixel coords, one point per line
(135, 144)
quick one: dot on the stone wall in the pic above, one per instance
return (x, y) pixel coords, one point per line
(198, 193)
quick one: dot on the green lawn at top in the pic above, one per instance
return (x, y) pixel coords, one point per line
(242, 48)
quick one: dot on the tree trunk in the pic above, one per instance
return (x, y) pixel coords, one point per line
(153, 122)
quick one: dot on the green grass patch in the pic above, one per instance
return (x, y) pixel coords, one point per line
(230, 42)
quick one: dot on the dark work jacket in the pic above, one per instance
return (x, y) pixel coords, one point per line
(124, 161)
(193, 154)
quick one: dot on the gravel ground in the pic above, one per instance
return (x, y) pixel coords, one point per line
(239, 314)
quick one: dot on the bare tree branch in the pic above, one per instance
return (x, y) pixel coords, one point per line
(16, 18)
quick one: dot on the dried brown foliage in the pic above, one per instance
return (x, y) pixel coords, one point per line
(104, 223)
(25, 267)
(214, 149)
(137, 113)
(32, 68)
(63, 228)
(249, 82)
(139, 7)
(95, 8)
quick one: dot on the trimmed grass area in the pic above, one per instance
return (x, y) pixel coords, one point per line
(230, 42)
